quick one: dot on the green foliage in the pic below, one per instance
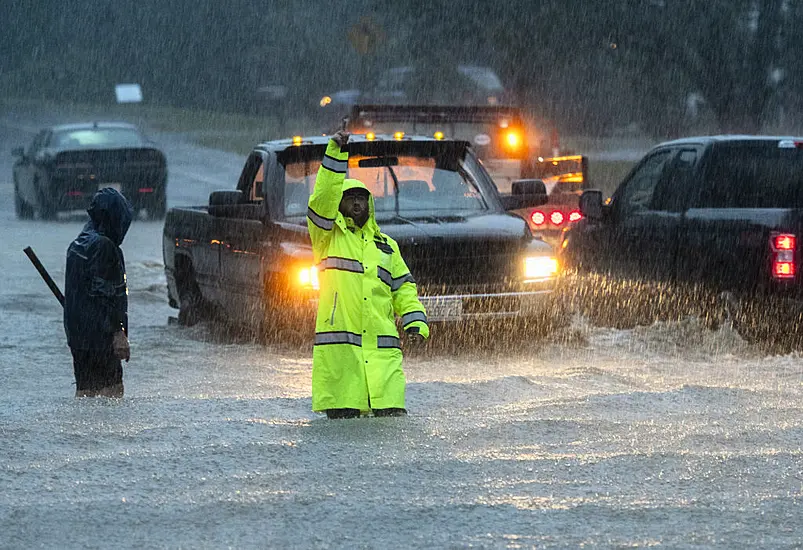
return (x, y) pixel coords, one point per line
(591, 67)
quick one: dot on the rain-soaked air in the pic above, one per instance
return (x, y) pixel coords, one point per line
(572, 254)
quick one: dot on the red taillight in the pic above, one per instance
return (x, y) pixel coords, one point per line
(782, 248)
(556, 217)
(784, 270)
(146, 189)
(74, 193)
(575, 216)
(784, 242)
(538, 217)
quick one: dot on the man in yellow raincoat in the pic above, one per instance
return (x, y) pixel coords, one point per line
(357, 357)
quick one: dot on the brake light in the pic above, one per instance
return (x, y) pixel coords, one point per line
(785, 242)
(575, 216)
(145, 189)
(782, 248)
(556, 217)
(538, 217)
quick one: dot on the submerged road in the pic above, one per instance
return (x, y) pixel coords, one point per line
(669, 435)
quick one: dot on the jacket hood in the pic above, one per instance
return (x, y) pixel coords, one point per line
(357, 184)
(110, 213)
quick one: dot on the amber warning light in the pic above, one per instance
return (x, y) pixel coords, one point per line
(513, 140)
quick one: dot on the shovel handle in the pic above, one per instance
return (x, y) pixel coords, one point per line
(54, 288)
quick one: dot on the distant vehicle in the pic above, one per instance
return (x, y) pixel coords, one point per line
(248, 256)
(510, 145)
(460, 84)
(466, 85)
(725, 212)
(65, 165)
(565, 177)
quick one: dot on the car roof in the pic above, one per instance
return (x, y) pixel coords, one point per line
(92, 125)
(281, 144)
(727, 138)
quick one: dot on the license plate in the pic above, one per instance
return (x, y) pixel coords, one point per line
(116, 186)
(443, 309)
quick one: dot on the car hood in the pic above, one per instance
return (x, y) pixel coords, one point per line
(423, 228)
(456, 253)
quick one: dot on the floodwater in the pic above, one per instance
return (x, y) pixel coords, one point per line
(670, 435)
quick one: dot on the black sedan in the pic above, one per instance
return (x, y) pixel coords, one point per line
(65, 165)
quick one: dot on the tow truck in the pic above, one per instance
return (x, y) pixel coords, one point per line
(510, 145)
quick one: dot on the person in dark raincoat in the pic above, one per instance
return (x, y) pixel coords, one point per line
(96, 297)
(364, 282)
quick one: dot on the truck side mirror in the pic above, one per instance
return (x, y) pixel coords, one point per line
(18, 152)
(225, 198)
(591, 204)
(528, 187)
(525, 194)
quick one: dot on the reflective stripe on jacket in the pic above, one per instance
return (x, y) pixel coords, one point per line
(364, 282)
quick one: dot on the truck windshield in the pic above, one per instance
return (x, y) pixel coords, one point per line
(754, 175)
(425, 185)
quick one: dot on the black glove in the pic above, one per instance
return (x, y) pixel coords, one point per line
(341, 137)
(414, 337)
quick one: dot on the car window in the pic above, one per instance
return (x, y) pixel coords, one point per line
(638, 190)
(256, 193)
(674, 187)
(252, 178)
(424, 184)
(753, 175)
(94, 137)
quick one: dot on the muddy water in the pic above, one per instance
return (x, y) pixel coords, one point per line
(671, 435)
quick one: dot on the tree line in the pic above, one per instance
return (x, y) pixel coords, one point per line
(665, 67)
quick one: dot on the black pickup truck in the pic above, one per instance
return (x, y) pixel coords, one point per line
(247, 255)
(723, 213)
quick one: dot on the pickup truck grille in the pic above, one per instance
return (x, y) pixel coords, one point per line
(463, 267)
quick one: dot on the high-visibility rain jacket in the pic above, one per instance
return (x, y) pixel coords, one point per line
(357, 359)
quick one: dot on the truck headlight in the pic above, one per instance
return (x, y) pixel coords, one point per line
(308, 277)
(540, 267)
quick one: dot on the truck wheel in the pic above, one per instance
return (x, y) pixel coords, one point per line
(188, 311)
(22, 209)
(191, 305)
(47, 211)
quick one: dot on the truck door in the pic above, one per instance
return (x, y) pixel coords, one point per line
(242, 238)
(638, 240)
(658, 226)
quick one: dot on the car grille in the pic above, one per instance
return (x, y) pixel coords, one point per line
(463, 266)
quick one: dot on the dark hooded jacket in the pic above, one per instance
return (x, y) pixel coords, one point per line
(95, 290)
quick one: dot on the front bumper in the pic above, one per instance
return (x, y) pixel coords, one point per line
(450, 308)
(501, 305)
(66, 195)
